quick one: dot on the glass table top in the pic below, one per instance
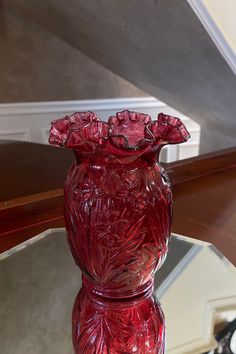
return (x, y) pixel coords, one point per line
(39, 281)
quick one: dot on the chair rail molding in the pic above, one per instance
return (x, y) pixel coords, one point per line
(214, 32)
(30, 121)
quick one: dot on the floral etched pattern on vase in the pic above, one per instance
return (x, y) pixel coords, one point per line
(118, 214)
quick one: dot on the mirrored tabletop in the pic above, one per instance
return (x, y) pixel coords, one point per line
(39, 282)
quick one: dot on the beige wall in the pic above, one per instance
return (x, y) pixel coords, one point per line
(224, 14)
(37, 66)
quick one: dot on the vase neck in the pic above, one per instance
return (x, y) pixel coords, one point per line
(146, 159)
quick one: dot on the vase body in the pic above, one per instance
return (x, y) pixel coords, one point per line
(118, 214)
(118, 218)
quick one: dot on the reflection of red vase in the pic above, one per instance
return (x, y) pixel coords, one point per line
(105, 326)
(118, 210)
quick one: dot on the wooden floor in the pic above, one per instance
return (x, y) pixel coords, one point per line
(205, 208)
(31, 198)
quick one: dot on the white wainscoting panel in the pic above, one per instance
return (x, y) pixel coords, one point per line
(15, 134)
(188, 150)
(31, 121)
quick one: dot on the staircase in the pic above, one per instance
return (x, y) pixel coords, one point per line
(158, 45)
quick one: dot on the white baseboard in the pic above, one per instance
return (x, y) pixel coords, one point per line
(31, 121)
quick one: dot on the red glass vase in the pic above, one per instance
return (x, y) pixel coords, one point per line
(118, 213)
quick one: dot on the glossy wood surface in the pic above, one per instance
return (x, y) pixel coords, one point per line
(31, 197)
(203, 165)
(28, 168)
(205, 208)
